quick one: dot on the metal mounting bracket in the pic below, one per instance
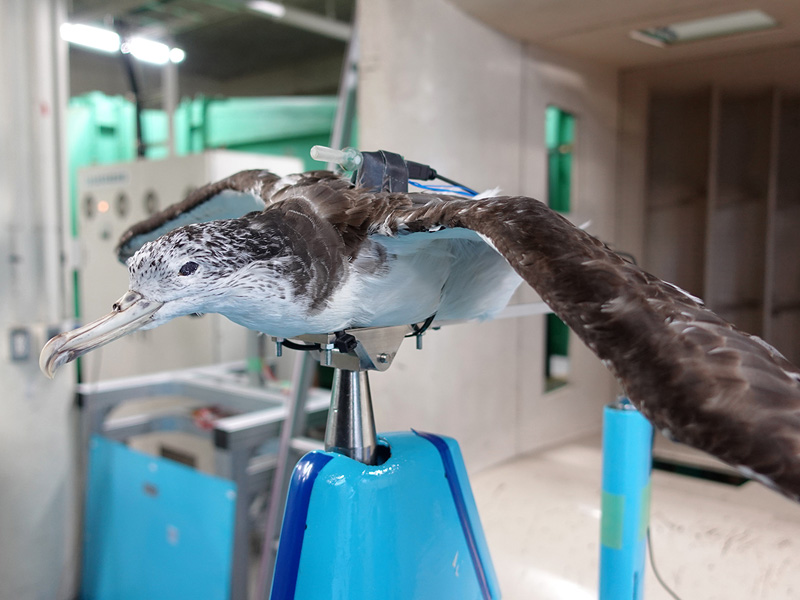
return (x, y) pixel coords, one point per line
(351, 424)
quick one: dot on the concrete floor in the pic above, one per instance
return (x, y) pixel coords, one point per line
(541, 516)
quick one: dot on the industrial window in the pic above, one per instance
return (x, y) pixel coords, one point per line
(559, 140)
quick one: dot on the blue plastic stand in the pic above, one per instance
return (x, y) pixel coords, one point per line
(407, 528)
(627, 459)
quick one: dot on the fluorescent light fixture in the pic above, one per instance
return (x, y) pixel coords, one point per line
(272, 9)
(105, 40)
(90, 37)
(177, 55)
(706, 28)
(147, 50)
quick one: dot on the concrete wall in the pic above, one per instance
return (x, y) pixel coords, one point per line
(439, 87)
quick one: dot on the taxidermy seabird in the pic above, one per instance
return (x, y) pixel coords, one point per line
(320, 256)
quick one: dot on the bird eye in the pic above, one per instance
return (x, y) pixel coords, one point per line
(188, 268)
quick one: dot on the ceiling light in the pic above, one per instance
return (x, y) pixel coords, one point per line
(272, 9)
(109, 41)
(90, 37)
(147, 50)
(706, 28)
(177, 55)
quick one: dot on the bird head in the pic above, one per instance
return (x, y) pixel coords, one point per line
(180, 273)
(193, 269)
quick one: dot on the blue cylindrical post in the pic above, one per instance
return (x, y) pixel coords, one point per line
(627, 460)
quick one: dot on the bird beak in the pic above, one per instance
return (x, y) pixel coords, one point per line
(130, 313)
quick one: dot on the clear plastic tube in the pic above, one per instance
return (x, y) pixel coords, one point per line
(348, 158)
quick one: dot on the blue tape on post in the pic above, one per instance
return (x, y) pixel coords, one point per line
(627, 460)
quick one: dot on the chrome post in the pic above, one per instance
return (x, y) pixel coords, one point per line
(351, 423)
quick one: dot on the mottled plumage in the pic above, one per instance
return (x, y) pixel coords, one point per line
(323, 256)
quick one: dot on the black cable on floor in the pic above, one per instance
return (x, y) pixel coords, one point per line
(655, 571)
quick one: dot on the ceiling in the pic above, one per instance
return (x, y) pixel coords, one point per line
(599, 29)
(221, 38)
(224, 41)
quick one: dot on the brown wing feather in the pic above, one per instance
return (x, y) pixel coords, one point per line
(254, 181)
(688, 370)
(333, 201)
(322, 189)
(320, 257)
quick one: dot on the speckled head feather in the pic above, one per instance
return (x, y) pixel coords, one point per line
(283, 255)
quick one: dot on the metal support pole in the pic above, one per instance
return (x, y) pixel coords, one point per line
(627, 461)
(169, 96)
(346, 104)
(237, 471)
(351, 424)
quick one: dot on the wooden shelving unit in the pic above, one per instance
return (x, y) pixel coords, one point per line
(723, 205)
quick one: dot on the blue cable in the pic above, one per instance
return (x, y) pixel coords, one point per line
(446, 189)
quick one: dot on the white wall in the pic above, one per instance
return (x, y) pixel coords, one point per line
(588, 91)
(439, 87)
(38, 494)
(772, 68)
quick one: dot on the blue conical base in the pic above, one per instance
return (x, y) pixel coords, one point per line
(407, 528)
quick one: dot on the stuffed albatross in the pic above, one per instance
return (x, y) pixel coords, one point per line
(321, 256)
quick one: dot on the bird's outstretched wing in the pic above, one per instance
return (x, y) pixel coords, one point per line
(690, 372)
(229, 198)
